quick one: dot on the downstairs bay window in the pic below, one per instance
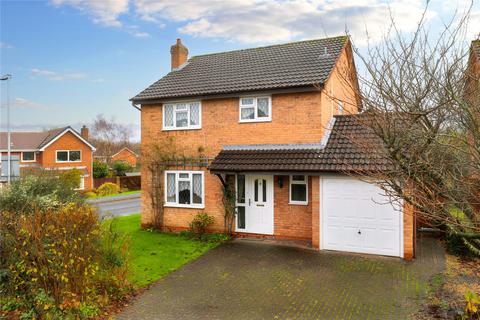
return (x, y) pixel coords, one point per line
(184, 189)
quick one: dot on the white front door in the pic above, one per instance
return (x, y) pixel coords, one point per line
(356, 216)
(257, 215)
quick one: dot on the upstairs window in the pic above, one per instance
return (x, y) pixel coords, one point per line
(255, 109)
(182, 116)
(68, 156)
(299, 189)
(28, 156)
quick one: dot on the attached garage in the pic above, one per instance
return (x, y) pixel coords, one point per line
(357, 216)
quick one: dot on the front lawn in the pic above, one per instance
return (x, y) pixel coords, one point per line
(154, 254)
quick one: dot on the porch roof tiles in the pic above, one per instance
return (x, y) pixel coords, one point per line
(352, 146)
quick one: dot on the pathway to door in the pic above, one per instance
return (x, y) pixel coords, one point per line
(245, 280)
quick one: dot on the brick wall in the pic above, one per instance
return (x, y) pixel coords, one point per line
(127, 156)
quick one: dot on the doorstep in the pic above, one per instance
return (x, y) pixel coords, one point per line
(302, 244)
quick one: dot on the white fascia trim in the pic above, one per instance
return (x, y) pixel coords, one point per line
(74, 133)
(328, 131)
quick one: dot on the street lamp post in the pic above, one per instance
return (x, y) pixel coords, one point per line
(9, 144)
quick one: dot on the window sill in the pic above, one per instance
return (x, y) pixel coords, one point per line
(185, 206)
(298, 203)
(79, 161)
(254, 120)
(181, 129)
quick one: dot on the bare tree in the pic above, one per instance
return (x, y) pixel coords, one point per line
(110, 136)
(420, 103)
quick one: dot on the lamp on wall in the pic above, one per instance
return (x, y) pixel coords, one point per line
(280, 182)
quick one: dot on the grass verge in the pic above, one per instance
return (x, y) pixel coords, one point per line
(114, 195)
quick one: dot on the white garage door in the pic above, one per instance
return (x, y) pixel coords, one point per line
(357, 217)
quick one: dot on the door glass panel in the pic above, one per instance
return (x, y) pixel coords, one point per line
(241, 217)
(264, 188)
(197, 188)
(256, 190)
(241, 188)
(184, 192)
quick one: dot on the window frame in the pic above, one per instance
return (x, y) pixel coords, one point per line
(292, 182)
(176, 204)
(255, 109)
(189, 126)
(68, 156)
(34, 156)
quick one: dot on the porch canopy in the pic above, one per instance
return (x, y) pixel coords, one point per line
(349, 146)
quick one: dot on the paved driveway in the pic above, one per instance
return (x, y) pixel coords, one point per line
(121, 205)
(250, 280)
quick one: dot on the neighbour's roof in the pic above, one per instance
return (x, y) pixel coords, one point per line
(32, 140)
(352, 146)
(296, 64)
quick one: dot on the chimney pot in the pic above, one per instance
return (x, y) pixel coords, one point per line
(179, 54)
(84, 132)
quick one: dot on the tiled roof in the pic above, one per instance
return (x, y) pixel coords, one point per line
(296, 64)
(352, 146)
(30, 140)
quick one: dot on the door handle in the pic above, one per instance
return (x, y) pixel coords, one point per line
(249, 202)
(359, 232)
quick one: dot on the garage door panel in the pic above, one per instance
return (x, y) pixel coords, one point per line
(348, 206)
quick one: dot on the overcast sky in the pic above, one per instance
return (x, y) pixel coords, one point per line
(73, 59)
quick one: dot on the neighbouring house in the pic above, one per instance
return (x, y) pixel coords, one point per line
(57, 149)
(126, 155)
(271, 121)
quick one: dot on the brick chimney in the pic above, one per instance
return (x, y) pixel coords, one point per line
(84, 132)
(179, 54)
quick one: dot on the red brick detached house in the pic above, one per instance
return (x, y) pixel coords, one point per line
(270, 120)
(57, 149)
(126, 155)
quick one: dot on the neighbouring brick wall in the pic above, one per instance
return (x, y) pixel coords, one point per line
(291, 221)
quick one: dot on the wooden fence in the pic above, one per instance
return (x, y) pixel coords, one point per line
(130, 183)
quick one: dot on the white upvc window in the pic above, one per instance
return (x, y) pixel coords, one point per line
(182, 116)
(68, 156)
(255, 109)
(298, 189)
(184, 189)
(28, 156)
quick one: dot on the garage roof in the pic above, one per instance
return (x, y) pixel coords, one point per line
(352, 146)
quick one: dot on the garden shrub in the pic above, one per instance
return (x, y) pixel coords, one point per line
(199, 224)
(90, 194)
(60, 263)
(71, 178)
(120, 168)
(107, 189)
(100, 169)
(43, 191)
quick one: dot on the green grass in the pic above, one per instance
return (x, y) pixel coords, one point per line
(152, 254)
(114, 195)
